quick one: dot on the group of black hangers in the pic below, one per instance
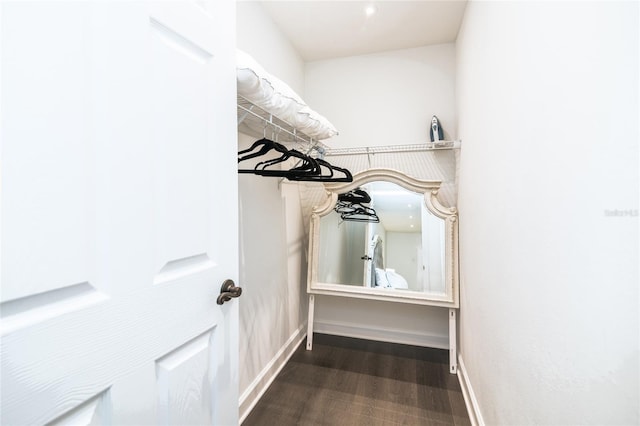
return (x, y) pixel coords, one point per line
(306, 169)
(351, 207)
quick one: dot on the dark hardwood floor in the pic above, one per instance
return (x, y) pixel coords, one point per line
(345, 381)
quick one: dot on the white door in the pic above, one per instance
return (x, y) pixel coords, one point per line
(118, 213)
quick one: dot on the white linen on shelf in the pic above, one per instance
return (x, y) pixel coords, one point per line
(274, 96)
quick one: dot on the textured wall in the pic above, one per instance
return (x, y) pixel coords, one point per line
(548, 112)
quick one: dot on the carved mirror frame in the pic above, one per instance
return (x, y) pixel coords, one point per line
(430, 190)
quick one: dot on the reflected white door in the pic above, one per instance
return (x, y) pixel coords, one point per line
(368, 261)
(118, 213)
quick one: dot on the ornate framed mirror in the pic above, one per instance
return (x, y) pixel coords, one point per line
(385, 236)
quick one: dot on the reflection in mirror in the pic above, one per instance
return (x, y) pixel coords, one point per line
(405, 250)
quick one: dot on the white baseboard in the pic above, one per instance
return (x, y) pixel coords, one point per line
(381, 334)
(261, 383)
(469, 396)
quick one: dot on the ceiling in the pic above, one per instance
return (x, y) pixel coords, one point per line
(398, 209)
(329, 29)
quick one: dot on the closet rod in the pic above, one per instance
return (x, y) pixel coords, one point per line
(430, 146)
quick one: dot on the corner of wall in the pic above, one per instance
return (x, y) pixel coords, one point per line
(473, 408)
(263, 380)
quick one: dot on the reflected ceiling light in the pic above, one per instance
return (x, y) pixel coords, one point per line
(370, 10)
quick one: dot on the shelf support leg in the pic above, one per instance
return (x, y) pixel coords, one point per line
(453, 363)
(310, 322)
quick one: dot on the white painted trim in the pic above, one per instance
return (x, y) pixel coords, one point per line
(261, 383)
(311, 309)
(381, 334)
(475, 416)
(453, 367)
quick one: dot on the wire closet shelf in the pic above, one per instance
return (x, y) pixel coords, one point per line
(257, 122)
(388, 149)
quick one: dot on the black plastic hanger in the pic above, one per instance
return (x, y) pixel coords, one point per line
(328, 176)
(351, 207)
(361, 214)
(265, 144)
(348, 207)
(308, 166)
(355, 196)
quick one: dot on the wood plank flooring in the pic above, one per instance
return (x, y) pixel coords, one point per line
(345, 381)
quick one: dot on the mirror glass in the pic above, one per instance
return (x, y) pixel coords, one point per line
(394, 242)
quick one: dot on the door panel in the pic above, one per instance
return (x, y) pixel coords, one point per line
(95, 412)
(40, 251)
(180, 94)
(180, 375)
(118, 141)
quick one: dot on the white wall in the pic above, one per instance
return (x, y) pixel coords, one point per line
(402, 255)
(433, 252)
(272, 267)
(385, 99)
(384, 321)
(258, 36)
(548, 113)
(331, 249)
